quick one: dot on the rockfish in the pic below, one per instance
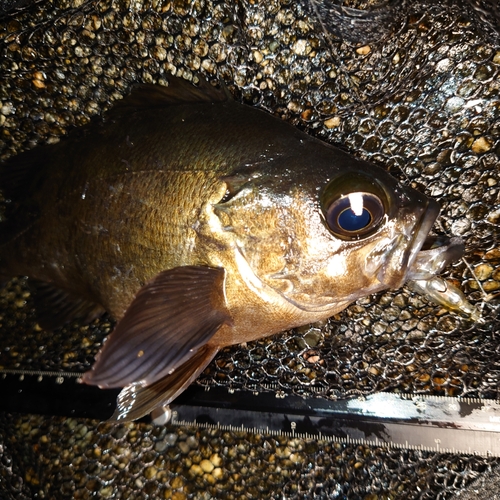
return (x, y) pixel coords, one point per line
(198, 223)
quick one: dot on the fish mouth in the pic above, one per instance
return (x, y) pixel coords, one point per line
(437, 254)
(418, 256)
(422, 230)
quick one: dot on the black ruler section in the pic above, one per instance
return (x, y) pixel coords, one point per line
(433, 423)
(53, 393)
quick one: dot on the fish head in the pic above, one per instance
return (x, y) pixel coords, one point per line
(323, 238)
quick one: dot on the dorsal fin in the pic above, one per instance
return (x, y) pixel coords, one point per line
(20, 174)
(20, 177)
(179, 91)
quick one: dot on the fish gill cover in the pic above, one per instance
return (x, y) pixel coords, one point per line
(420, 98)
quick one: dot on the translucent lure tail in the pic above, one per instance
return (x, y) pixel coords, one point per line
(445, 294)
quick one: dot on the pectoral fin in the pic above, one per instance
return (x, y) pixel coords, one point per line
(170, 319)
(135, 400)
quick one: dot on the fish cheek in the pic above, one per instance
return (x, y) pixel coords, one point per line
(345, 271)
(258, 232)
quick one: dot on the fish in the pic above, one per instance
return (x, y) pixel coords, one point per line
(198, 223)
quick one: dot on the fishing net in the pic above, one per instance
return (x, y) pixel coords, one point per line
(417, 92)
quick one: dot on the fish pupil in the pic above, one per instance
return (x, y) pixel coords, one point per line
(349, 221)
(355, 215)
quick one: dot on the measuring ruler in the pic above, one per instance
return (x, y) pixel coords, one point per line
(429, 423)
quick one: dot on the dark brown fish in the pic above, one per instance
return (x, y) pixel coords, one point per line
(199, 223)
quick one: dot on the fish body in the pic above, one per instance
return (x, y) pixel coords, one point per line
(198, 223)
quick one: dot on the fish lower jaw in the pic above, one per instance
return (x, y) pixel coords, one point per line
(320, 310)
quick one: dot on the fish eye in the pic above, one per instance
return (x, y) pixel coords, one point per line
(354, 205)
(354, 215)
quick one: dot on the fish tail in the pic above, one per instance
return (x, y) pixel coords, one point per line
(4, 237)
(4, 272)
(4, 268)
(20, 177)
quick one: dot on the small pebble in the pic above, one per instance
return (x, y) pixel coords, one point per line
(482, 145)
(196, 470)
(483, 271)
(301, 47)
(332, 122)
(192, 442)
(366, 49)
(207, 466)
(184, 447)
(258, 57)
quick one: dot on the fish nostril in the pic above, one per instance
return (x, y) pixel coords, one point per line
(402, 197)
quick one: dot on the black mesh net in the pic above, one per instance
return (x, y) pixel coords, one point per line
(416, 92)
